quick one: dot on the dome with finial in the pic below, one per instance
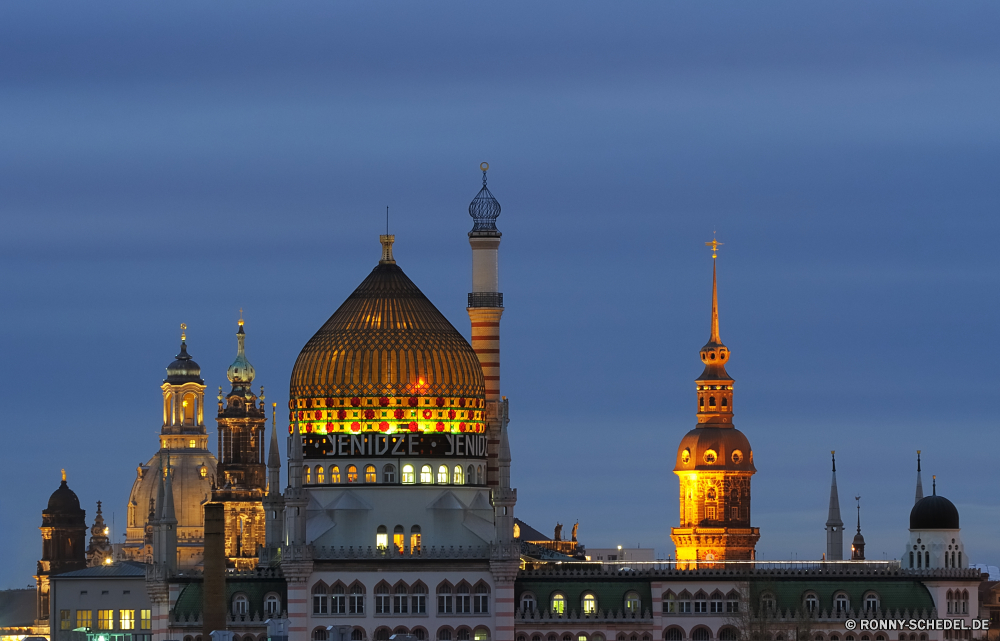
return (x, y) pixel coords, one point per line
(184, 369)
(934, 513)
(387, 360)
(64, 500)
(484, 210)
(241, 372)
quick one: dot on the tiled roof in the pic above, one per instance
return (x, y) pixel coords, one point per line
(121, 569)
(893, 595)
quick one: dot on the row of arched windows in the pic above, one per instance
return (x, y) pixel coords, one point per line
(321, 475)
(958, 601)
(810, 602)
(700, 602)
(240, 605)
(445, 633)
(461, 598)
(398, 538)
(557, 604)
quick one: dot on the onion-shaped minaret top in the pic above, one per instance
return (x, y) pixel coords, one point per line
(241, 372)
(484, 210)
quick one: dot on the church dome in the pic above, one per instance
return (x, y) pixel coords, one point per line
(184, 369)
(384, 355)
(193, 471)
(714, 449)
(934, 513)
(63, 500)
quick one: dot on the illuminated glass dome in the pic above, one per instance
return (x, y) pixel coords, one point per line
(387, 361)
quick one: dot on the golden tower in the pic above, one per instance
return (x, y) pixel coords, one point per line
(714, 465)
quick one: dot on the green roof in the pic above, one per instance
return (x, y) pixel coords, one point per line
(610, 593)
(191, 598)
(789, 592)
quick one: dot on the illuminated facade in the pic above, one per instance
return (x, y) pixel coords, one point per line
(241, 474)
(184, 449)
(714, 465)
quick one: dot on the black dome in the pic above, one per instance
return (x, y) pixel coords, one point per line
(184, 369)
(934, 513)
(63, 500)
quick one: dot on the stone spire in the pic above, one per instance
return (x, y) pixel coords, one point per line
(296, 498)
(273, 502)
(920, 486)
(715, 386)
(99, 552)
(834, 525)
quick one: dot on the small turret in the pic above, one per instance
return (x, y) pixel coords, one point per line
(858, 546)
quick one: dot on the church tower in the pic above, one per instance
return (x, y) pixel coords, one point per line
(64, 532)
(714, 465)
(241, 479)
(834, 524)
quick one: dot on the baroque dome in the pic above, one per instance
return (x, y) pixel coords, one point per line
(193, 472)
(184, 369)
(63, 500)
(934, 513)
(387, 339)
(714, 449)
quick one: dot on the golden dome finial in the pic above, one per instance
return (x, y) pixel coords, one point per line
(183, 332)
(241, 317)
(64, 475)
(714, 244)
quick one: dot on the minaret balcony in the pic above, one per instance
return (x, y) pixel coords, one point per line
(485, 299)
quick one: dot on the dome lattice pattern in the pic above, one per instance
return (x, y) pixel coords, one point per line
(387, 339)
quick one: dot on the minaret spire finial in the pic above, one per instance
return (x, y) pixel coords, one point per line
(64, 475)
(183, 332)
(858, 499)
(920, 486)
(934, 484)
(714, 244)
(833, 455)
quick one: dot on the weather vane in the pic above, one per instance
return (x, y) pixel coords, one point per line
(714, 244)
(183, 332)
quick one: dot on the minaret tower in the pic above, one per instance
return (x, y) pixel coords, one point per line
(834, 526)
(241, 472)
(485, 309)
(920, 486)
(714, 464)
(273, 502)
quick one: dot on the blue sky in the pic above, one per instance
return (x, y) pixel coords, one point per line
(168, 163)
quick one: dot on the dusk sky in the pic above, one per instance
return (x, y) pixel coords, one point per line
(168, 163)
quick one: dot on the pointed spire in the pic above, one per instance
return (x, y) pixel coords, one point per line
(834, 514)
(168, 514)
(241, 372)
(920, 486)
(273, 455)
(158, 506)
(934, 485)
(858, 499)
(714, 338)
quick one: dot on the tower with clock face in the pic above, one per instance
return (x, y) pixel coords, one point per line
(714, 465)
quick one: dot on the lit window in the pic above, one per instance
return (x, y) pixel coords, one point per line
(382, 537)
(415, 539)
(126, 619)
(389, 474)
(241, 605)
(407, 474)
(352, 474)
(192, 444)
(320, 474)
(558, 603)
(425, 474)
(335, 474)
(203, 471)
(399, 538)
(710, 512)
(307, 475)
(145, 619)
(443, 475)
(459, 478)
(589, 603)
(83, 619)
(370, 474)
(481, 635)
(632, 602)
(65, 623)
(105, 619)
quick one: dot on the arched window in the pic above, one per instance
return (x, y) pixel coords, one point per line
(481, 634)
(470, 477)
(481, 599)
(684, 602)
(382, 634)
(711, 401)
(700, 602)
(965, 601)
(444, 634)
(352, 474)
(399, 538)
(927, 559)
(334, 474)
(673, 634)
(463, 600)
(724, 402)
(418, 602)
(700, 634)
(189, 408)
(319, 634)
(400, 600)
(479, 475)
(320, 474)
(767, 602)
(589, 603)
(357, 634)
(443, 475)
(425, 474)
(459, 478)
(445, 600)
(812, 603)
(727, 633)
(338, 600)
(715, 606)
(319, 598)
(241, 605)
(389, 474)
(633, 603)
(272, 605)
(669, 603)
(356, 600)
(383, 603)
(733, 602)
(382, 537)
(701, 402)
(420, 634)
(407, 474)
(558, 604)
(911, 560)
(871, 602)
(370, 476)
(842, 603)
(415, 539)
(527, 602)
(307, 474)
